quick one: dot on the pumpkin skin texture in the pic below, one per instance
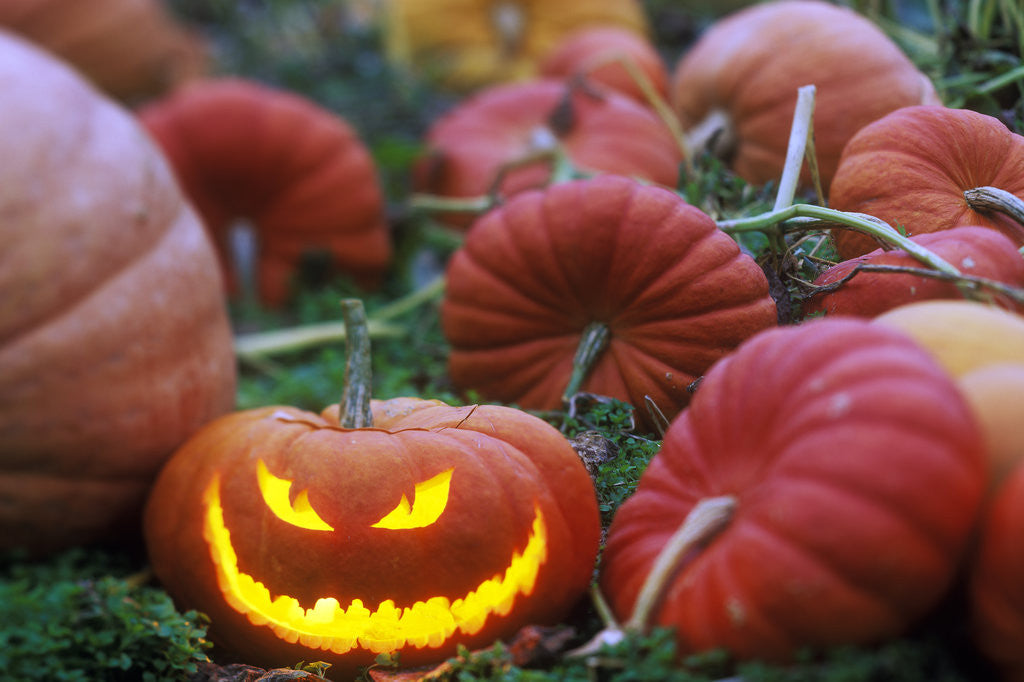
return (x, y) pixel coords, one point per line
(911, 168)
(468, 44)
(596, 54)
(743, 73)
(994, 393)
(973, 250)
(114, 339)
(856, 492)
(601, 132)
(297, 172)
(130, 49)
(675, 293)
(961, 335)
(996, 590)
(509, 474)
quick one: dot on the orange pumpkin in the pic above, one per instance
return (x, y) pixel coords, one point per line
(598, 54)
(912, 167)
(855, 473)
(320, 537)
(114, 340)
(975, 251)
(130, 49)
(298, 173)
(996, 590)
(735, 90)
(606, 258)
(480, 144)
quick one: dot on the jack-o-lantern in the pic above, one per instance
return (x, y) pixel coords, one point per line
(303, 539)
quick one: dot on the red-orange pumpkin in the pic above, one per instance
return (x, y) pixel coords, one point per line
(973, 250)
(735, 90)
(673, 292)
(115, 344)
(437, 526)
(598, 54)
(996, 589)
(600, 131)
(296, 171)
(912, 167)
(856, 472)
(130, 49)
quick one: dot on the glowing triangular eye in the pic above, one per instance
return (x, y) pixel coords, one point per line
(275, 494)
(429, 500)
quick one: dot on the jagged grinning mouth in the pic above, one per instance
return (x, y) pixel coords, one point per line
(388, 628)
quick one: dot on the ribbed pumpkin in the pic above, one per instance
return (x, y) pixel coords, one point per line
(467, 44)
(671, 293)
(912, 167)
(996, 590)
(296, 172)
(317, 537)
(976, 251)
(472, 147)
(855, 472)
(130, 49)
(735, 90)
(599, 54)
(114, 340)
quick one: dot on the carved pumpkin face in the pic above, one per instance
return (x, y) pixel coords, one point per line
(303, 540)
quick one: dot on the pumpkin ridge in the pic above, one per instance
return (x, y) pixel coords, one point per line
(509, 292)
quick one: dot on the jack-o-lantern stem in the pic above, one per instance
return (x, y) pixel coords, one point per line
(355, 397)
(592, 343)
(993, 199)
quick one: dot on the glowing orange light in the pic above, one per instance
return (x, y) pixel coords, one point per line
(429, 500)
(330, 626)
(276, 496)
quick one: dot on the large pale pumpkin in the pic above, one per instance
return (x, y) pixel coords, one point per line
(855, 471)
(735, 90)
(131, 49)
(114, 341)
(297, 173)
(912, 167)
(437, 526)
(467, 44)
(668, 291)
(481, 144)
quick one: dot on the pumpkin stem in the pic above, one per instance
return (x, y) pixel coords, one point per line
(800, 147)
(714, 134)
(707, 518)
(355, 397)
(993, 199)
(593, 342)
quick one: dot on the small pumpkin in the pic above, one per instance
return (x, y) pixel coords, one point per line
(311, 536)
(608, 55)
(854, 471)
(995, 588)
(130, 49)
(468, 44)
(115, 343)
(735, 89)
(479, 146)
(912, 168)
(973, 250)
(297, 172)
(606, 263)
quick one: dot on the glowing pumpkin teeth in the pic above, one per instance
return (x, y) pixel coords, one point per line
(389, 628)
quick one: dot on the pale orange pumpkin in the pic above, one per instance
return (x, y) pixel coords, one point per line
(735, 90)
(114, 339)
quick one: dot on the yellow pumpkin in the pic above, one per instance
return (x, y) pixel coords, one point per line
(465, 44)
